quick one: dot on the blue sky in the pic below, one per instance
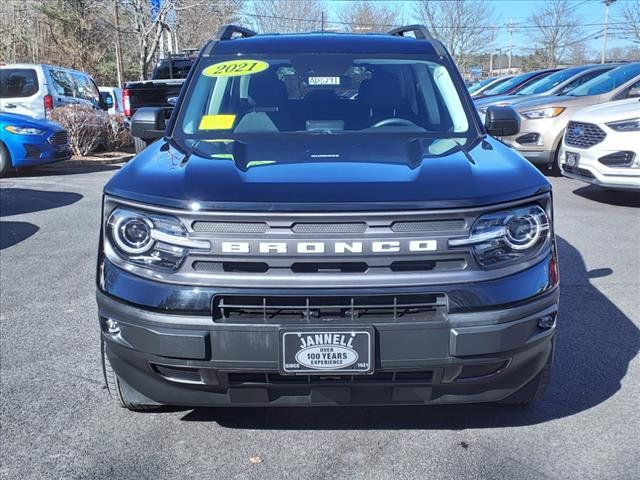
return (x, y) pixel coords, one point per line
(592, 11)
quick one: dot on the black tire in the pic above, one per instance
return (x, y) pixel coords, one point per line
(534, 390)
(118, 390)
(139, 144)
(554, 166)
(5, 160)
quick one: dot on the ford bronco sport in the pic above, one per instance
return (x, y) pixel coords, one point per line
(324, 221)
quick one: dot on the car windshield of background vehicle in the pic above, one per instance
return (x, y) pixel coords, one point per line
(607, 81)
(478, 85)
(18, 82)
(171, 69)
(547, 83)
(322, 94)
(508, 85)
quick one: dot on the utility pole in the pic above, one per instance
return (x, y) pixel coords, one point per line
(607, 4)
(510, 43)
(116, 22)
(491, 63)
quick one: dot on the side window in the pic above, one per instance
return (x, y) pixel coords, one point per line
(633, 91)
(63, 83)
(86, 88)
(18, 82)
(579, 81)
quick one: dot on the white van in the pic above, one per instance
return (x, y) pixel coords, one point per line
(117, 107)
(35, 89)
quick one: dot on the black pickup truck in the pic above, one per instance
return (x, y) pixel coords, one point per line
(160, 91)
(325, 221)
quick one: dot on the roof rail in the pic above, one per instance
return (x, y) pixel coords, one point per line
(419, 31)
(226, 32)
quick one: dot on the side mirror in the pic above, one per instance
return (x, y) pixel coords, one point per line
(106, 100)
(501, 121)
(148, 123)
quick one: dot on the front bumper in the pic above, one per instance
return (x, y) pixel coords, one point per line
(591, 170)
(191, 360)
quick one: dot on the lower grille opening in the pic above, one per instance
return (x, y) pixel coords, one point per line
(428, 265)
(296, 309)
(618, 159)
(251, 378)
(329, 267)
(179, 374)
(245, 267)
(578, 171)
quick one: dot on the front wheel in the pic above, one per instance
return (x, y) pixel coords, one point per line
(534, 390)
(139, 144)
(5, 160)
(119, 391)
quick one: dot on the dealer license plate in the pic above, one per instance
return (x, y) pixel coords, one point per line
(327, 351)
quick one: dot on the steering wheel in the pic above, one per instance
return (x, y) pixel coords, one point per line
(394, 121)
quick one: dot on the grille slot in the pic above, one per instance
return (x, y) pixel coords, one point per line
(230, 227)
(618, 159)
(583, 135)
(296, 309)
(329, 267)
(179, 374)
(428, 226)
(583, 172)
(359, 227)
(59, 138)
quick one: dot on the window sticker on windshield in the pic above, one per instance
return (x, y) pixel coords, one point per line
(217, 122)
(324, 81)
(235, 68)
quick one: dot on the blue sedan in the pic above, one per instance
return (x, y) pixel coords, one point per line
(26, 142)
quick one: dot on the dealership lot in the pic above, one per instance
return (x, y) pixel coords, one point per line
(58, 422)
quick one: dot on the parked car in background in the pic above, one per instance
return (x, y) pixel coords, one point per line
(25, 142)
(36, 89)
(161, 91)
(514, 84)
(477, 88)
(558, 83)
(602, 145)
(115, 94)
(544, 119)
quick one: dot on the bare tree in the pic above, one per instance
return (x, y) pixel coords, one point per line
(631, 16)
(268, 16)
(197, 24)
(557, 27)
(466, 27)
(368, 16)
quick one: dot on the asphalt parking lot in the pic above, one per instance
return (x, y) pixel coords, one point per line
(58, 421)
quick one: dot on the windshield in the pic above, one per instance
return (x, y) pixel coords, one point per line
(504, 87)
(607, 81)
(547, 83)
(321, 94)
(478, 85)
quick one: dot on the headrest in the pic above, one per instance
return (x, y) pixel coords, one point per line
(381, 90)
(266, 90)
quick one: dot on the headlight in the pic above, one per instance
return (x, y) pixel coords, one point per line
(507, 236)
(24, 131)
(149, 239)
(631, 125)
(549, 112)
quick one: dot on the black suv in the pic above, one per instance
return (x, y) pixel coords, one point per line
(324, 220)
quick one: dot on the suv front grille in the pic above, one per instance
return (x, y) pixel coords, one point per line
(59, 138)
(297, 309)
(583, 135)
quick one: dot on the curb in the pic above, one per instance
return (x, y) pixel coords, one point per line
(94, 162)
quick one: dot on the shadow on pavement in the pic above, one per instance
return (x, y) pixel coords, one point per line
(16, 201)
(595, 343)
(56, 169)
(618, 198)
(12, 233)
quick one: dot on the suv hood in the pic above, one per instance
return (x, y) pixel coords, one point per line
(323, 172)
(610, 111)
(504, 100)
(560, 100)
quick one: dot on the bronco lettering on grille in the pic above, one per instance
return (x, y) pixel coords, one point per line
(319, 247)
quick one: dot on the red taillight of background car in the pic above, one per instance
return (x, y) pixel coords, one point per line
(48, 104)
(126, 103)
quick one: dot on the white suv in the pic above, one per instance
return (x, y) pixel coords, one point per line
(602, 145)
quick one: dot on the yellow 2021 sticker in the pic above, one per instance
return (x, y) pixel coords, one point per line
(216, 122)
(235, 68)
